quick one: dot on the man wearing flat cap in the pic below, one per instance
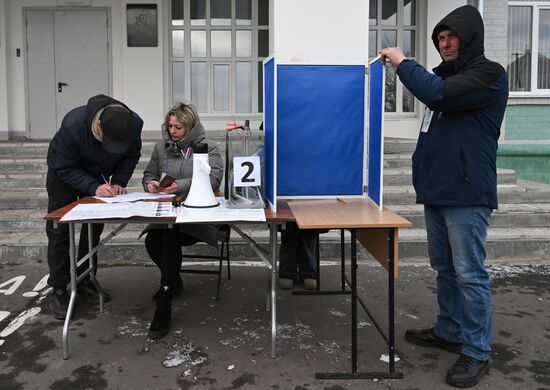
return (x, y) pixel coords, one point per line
(94, 152)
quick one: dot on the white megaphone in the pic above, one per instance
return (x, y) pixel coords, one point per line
(201, 194)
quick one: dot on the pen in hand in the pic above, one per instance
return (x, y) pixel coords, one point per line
(108, 184)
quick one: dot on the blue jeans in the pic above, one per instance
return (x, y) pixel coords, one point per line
(456, 247)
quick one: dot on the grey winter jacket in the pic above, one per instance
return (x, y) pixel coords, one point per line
(168, 157)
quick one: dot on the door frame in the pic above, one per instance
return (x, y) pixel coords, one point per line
(25, 52)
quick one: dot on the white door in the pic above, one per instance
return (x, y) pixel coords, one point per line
(67, 63)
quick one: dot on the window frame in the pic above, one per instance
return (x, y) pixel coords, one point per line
(187, 59)
(399, 27)
(536, 6)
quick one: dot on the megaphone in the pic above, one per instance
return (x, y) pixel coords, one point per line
(201, 194)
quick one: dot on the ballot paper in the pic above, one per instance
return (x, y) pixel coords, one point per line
(219, 214)
(120, 210)
(133, 196)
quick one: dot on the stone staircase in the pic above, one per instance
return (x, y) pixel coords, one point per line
(519, 229)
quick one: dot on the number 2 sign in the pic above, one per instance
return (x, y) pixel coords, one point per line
(246, 171)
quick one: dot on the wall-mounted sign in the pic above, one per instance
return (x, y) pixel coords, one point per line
(142, 25)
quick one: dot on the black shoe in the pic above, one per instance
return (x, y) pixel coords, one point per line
(160, 326)
(467, 371)
(428, 338)
(177, 290)
(86, 289)
(59, 303)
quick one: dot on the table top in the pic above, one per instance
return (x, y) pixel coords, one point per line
(283, 213)
(308, 214)
(343, 214)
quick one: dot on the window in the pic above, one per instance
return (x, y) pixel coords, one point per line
(216, 53)
(529, 46)
(393, 23)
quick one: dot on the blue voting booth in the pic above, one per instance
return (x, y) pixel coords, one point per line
(315, 122)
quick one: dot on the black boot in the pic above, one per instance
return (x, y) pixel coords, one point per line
(160, 326)
(177, 290)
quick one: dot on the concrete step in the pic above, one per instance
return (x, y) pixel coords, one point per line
(38, 180)
(11, 166)
(501, 243)
(402, 176)
(397, 161)
(520, 228)
(523, 192)
(508, 215)
(392, 177)
(39, 149)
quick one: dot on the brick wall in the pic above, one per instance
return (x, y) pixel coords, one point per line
(531, 162)
(495, 18)
(528, 122)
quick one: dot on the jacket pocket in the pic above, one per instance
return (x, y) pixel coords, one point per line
(463, 167)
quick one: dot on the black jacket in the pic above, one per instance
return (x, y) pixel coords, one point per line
(76, 157)
(454, 163)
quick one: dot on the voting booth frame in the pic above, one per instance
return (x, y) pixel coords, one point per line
(323, 130)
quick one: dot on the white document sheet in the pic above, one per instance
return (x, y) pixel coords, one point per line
(120, 210)
(133, 196)
(219, 214)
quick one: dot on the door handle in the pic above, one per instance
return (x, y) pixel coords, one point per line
(60, 86)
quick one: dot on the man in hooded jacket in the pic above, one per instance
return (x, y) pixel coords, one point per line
(95, 142)
(454, 175)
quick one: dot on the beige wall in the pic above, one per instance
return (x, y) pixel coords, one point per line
(137, 73)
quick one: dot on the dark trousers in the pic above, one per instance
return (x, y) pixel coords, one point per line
(164, 248)
(298, 252)
(61, 194)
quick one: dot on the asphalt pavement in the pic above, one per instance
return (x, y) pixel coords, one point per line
(226, 344)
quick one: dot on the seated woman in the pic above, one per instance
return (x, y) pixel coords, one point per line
(174, 156)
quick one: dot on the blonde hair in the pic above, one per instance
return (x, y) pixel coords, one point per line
(185, 113)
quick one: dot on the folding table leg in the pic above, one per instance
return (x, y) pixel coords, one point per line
(273, 252)
(72, 259)
(93, 267)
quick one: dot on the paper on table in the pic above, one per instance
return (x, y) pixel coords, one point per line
(120, 210)
(219, 214)
(133, 196)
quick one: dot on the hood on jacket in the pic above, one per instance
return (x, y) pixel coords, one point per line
(467, 24)
(195, 136)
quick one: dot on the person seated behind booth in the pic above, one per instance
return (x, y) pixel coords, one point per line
(174, 156)
(297, 257)
(94, 142)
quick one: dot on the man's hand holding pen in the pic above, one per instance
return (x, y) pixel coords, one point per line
(107, 189)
